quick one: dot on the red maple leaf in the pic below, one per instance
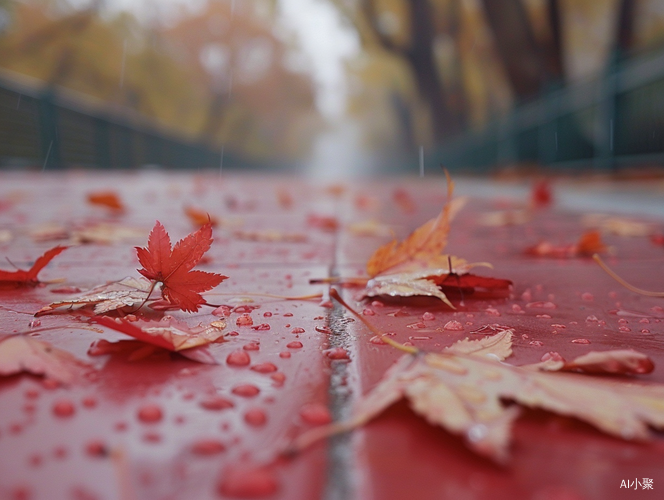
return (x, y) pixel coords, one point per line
(172, 267)
(29, 277)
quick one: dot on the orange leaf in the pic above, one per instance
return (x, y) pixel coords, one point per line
(108, 199)
(589, 243)
(200, 217)
(29, 277)
(425, 244)
(172, 267)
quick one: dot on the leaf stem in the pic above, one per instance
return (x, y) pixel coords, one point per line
(632, 288)
(411, 350)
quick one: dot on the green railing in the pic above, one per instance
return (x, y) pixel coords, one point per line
(601, 124)
(46, 128)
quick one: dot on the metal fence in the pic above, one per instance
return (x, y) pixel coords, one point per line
(43, 127)
(613, 120)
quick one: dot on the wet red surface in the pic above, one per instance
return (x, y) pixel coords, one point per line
(165, 427)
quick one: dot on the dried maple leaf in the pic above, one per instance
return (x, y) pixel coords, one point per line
(128, 292)
(464, 388)
(19, 353)
(106, 234)
(172, 267)
(108, 199)
(454, 279)
(200, 217)
(29, 277)
(171, 335)
(589, 243)
(424, 244)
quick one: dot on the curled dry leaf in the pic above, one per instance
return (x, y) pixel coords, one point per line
(29, 277)
(128, 292)
(589, 243)
(172, 267)
(616, 362)
(423, 245)
(464, 388)
(619, 226)
(106, 234)
(171, 335)
(19, 353)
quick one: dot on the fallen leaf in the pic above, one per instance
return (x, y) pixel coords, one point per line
(589, 244)
(128, 292)
(425, 244)
(270, 236)
(325, 223)
(541, 195)
(464, 388)
(49, 231)
(173, 266)
(619, 226)
(29, 277)
(200, 217)
(108, 199)
(616, 362)
(404, 200)
(369, 228)
(505, 218)
(19, 353)
(454, 279)
(170, 334)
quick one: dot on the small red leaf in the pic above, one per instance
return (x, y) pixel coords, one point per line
(29, 277)
(172, 267)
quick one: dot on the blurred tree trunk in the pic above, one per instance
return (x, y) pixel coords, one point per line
(625, 27)
(447, 108)
(530, 65)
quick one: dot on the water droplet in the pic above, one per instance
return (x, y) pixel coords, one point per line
(279, 378)
(60, 452)
(297, 330)
(238, 358)
(90, 402)
(216, 403)
(536, 343)
(233, 333)
(527, 296)
(150, 413)
(264, 368)
(477, 432)
(243, 309)
(453, 326)
(525, 336)
(416, 326)
(558, 326)
(267, 314)
(222, 311)
(244, 320)
(315, 414)
(246, 390)
(35, 460)
(152, 437)
(427, 316)
(419, 337)
(492, 311)
(63, 408)
(516, 308)
(645, 330)
(248, 482)
(296, 344)
(581, 341)
(288, 315)
(377, 339)
(625, 329)
(34, 323)
(336, 353)
(622, 321)
(285, 354)
(551, 355)
(96, 448)
(587, 297)
(32, 393)
(261, 328)
(543, 316)
(644, 321)
(255, 417)
(541, 305)
(252, 346)
(368, 312)
(324, 329)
